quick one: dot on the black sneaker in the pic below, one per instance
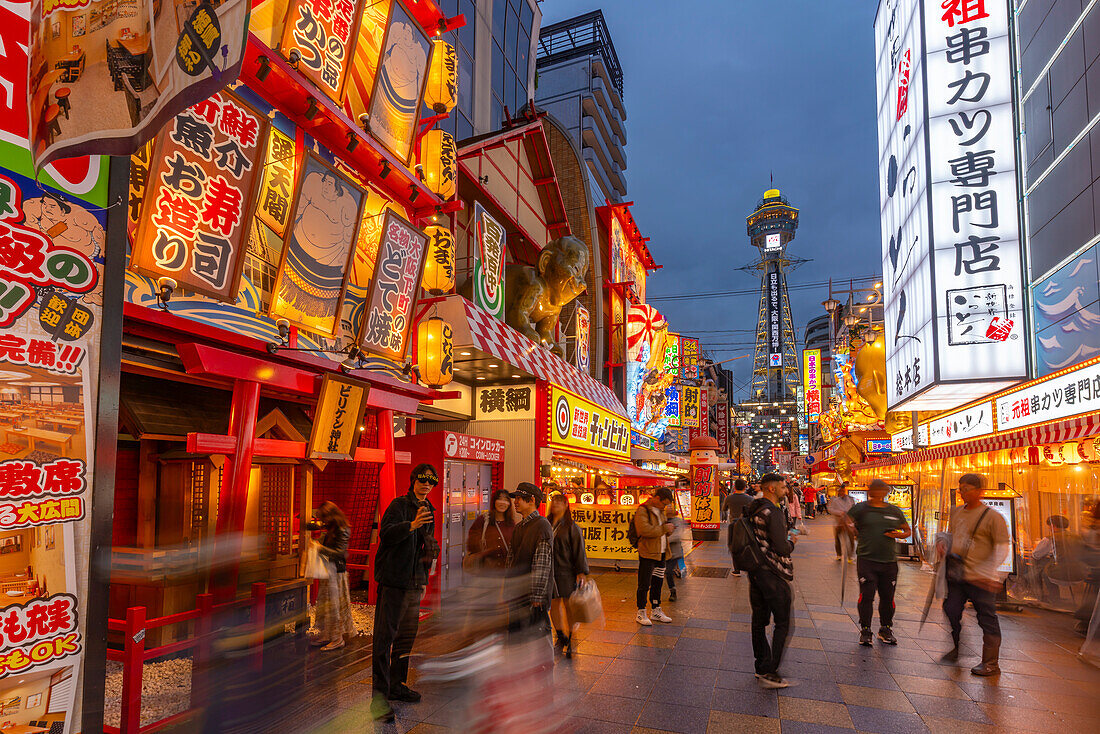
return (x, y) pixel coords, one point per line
(772, 680)
(672, 595)
(865, 637)
(887, 636)
(404, 694)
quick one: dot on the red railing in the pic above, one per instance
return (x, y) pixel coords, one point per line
(133, 655)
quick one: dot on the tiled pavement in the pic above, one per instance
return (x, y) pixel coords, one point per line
(695, 675)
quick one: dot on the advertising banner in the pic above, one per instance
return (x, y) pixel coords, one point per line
(579, 425)
(672, 354)
(104, 77)
(399, 84)
(975, 421)
(703, 429)
(504, 403)
(647, 380)
(339, 415)
(689, 358)
(488, 263)
(811, 379)
(689, 407)
(604, 529)
(773, 316)
(722, 429)
(320, 33)
(704, 497)
(582, 346)
(392, 298)
(1064, 395)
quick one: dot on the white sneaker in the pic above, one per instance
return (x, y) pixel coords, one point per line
(642, 619)
(660, 616)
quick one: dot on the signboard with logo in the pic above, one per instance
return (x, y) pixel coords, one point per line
(949, 224)
(803, 444)
(773, 242)
(579, 425)
(800, 403)
(973, 422)
(703, 429)
(704, 497)
(811, 381)
(672, 354)
(604, 529)
(901, 441)
(504, 403)
(1061, 395)
(320, 33)
(689, 358)
(472, 448)
(879, 446)
(641, 440)
(340, 409)
(582, 345)
(489, 238)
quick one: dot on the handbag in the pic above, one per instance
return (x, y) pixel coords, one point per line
(956, 567)
(585, 604)
(313, 566)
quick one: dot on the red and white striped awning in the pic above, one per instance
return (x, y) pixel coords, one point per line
(1070, 429)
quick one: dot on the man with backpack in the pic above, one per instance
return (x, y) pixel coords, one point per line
(762, 546)
(734, 507)
(648, 532)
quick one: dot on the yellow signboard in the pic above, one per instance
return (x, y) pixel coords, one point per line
(339, 414)
(576, 423)
(604, 529)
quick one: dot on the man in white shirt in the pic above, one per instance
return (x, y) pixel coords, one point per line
(838, 508)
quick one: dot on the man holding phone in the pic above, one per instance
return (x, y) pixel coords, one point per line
(406, 551)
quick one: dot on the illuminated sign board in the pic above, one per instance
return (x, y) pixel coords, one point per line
(811, 381)
(340, 409)
(949, 224)
(901, 441)
(578, 424)
(1061, 395)
(773, 242)
(879, 446)
(775, 330)
(975, 421)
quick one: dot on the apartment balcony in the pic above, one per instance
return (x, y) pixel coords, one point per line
(599, 175)
(603, 95)
(591, 109)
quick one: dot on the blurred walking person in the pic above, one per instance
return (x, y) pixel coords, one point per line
(407, 549)
(979, 544)
(735, 505)
(770, 584)
(652, 530)
(570, 569)
(334, 623)
(675, 567)
(878, 525)
(533, 556)
(838, 508)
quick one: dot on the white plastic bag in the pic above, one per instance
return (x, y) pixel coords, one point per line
(313, 565)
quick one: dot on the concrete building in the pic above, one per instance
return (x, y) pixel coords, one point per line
(580, 82)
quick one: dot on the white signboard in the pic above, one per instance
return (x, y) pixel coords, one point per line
(772, 242)
(901, 441)
(975, 421)
(923, 436)
(1067, 395)
(967, 339)
(1003, 507)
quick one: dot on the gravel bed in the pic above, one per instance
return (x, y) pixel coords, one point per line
(165, 690)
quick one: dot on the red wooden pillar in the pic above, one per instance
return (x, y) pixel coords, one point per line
(387, 484)
(233, 499)
(132, 668)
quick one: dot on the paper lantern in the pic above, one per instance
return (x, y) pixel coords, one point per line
(588, 498)
(1089, 450)
(1052, 454)
(439, 265)
(434, 352)
(1070, 454)
(442, 91)
(438, 159)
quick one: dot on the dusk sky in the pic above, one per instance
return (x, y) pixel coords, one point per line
(718, 96)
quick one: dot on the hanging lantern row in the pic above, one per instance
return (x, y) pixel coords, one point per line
(442, 90)
(435, 352)
(438, 159)
(439, 265)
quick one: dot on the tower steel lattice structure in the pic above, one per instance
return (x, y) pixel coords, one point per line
(771, 227)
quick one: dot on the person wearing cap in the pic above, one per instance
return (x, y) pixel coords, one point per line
(653, 529)
(406, 551)
(533, 555)
(979, 544)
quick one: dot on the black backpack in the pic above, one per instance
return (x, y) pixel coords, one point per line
(744, 548)
(632, 531)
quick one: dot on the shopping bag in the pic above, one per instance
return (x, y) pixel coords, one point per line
(585, 604)
(313, 566)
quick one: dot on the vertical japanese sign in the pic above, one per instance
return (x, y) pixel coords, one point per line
(104, 77)
(583, 343)
(198, 198)
(319, 244)
(689, 406)
(319, 35)
(689, 358)
(279, 176)
(399, 84)
(722, 428)
(811, 379)
(775, 332)
(340, 409)
(949, 224)
(672, 405)
(704, 497)
(703, 427)
(489, 237)
(672, 354)
(50, 312)
(800, 400)
(392, 298)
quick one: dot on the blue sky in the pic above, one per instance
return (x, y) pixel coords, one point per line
(721, 94)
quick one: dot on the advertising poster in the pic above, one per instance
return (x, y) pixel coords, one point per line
(389, 310)
(704, 497)
(198, 198)
(811, 379)
(723, 429)
(110, 81)
(50, 310)
(703, 428)
(319, 33)
(689, 406)
(280, 175)
(689, 358)
(309, 287)
(604, 529)
(576, 423)
(647, 380)
(399, 84)
(373, 17)
(773, 315)
(489, 263)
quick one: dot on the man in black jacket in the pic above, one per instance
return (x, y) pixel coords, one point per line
(734, 506)
(770, 583)
(406, 551)
(533, 555)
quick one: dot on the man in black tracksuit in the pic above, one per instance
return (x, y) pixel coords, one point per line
(406, 551)
(770, 583)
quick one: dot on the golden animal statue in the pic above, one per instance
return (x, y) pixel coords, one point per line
(870, 374)
(847, 455)
(898, 421)
(537, 294)
(855, 410)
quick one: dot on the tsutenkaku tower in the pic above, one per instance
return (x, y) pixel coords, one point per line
(775, 372)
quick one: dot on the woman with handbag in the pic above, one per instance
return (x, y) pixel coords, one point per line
(333, 621)
(570, 569)
(489, 541)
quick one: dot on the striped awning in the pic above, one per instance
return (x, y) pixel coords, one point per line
(1070, 429)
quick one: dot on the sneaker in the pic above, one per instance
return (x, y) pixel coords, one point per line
(642, 619)
(865, 637)
(772, 680)
(405, 694)
(887, 636)
(659, 616)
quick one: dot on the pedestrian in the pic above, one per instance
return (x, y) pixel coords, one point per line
(532, 557)
(738, 500)
(570, 569)
(822, 500)
(770, 583)
(979, 544)
(334, 622)
(1058, 557)
(674, 566)
(653, 530)
(794, 508)
(809, 496)
(489, 542)
(407, 550)
(877, 525)
(838, 508)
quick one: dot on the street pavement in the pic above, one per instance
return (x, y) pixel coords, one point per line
(696, 674)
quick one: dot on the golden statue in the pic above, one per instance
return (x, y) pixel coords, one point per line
(870, 374)
(537, 294)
